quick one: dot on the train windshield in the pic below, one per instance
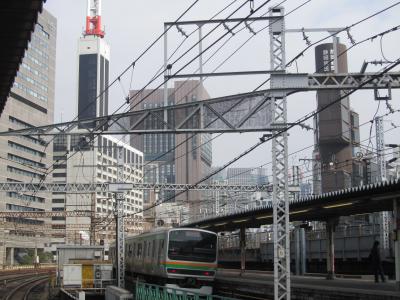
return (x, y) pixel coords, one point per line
(192, 245)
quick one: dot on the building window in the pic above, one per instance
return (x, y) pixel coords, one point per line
(57, 208)
(24, 172)
(26, 149)
(25, 161)
(14, 207)
(24, 197)
(29, 91)
(58, 201)
(24, 221)
(59, 174)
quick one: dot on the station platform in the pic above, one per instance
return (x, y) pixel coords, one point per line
(259, 285)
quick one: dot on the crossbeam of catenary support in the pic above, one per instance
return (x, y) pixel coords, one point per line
(73, 213)
(117, 187)
(232, 113)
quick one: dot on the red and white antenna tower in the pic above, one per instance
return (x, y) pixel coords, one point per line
(93, 18)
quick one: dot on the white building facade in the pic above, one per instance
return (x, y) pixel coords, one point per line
(88, 163)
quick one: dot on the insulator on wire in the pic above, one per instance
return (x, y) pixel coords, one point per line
(228, 29)
(180, 30)
(305, 37)
(251, 2)
(389, 107)
(350, 37)
(249, 28)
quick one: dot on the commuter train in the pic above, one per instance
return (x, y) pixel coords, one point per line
(184, 258)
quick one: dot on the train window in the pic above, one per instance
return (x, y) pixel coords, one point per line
(134, 248)
(145, 248)
(154, 248)
(130, 250)
(139, 250)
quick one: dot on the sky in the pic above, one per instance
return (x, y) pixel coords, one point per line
(131, 26)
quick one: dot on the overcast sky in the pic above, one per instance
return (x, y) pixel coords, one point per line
(132, 25)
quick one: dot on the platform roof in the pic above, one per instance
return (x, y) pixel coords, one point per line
(353, 201)
(17, 21)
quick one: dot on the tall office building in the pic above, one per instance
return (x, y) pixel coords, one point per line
(247, 176)
(188, 161)
(93, 71)
(25, 159)
(79, 161)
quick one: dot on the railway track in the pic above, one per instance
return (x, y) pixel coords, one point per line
(240, 295)
(7, 278)
(21, 289)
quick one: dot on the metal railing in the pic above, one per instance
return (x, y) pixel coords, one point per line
(254, 239)
(146, 291)
(27, 267)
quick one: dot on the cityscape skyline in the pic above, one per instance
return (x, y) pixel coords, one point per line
(200, 154)
(219, 87)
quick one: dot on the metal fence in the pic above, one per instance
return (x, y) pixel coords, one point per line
(146, 291)
(29, 267)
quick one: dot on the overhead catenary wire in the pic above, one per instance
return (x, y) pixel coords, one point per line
(338, 164)
(306, 148)
(301, 120)
(113, 82)
(102, 125)
(339, 55)
(117, 79)
(194, 135)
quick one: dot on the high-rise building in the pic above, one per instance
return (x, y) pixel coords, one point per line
(186, 160)
(247, 176)
(93, 71)
(25, 158)
(76, 160)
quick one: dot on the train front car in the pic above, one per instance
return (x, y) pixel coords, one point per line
(191, 260)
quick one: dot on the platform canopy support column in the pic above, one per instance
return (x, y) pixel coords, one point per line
(242, 249)
(330, 248)
(396, 214)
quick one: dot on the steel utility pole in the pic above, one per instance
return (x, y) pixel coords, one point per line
(120, 233)
(280, 162)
